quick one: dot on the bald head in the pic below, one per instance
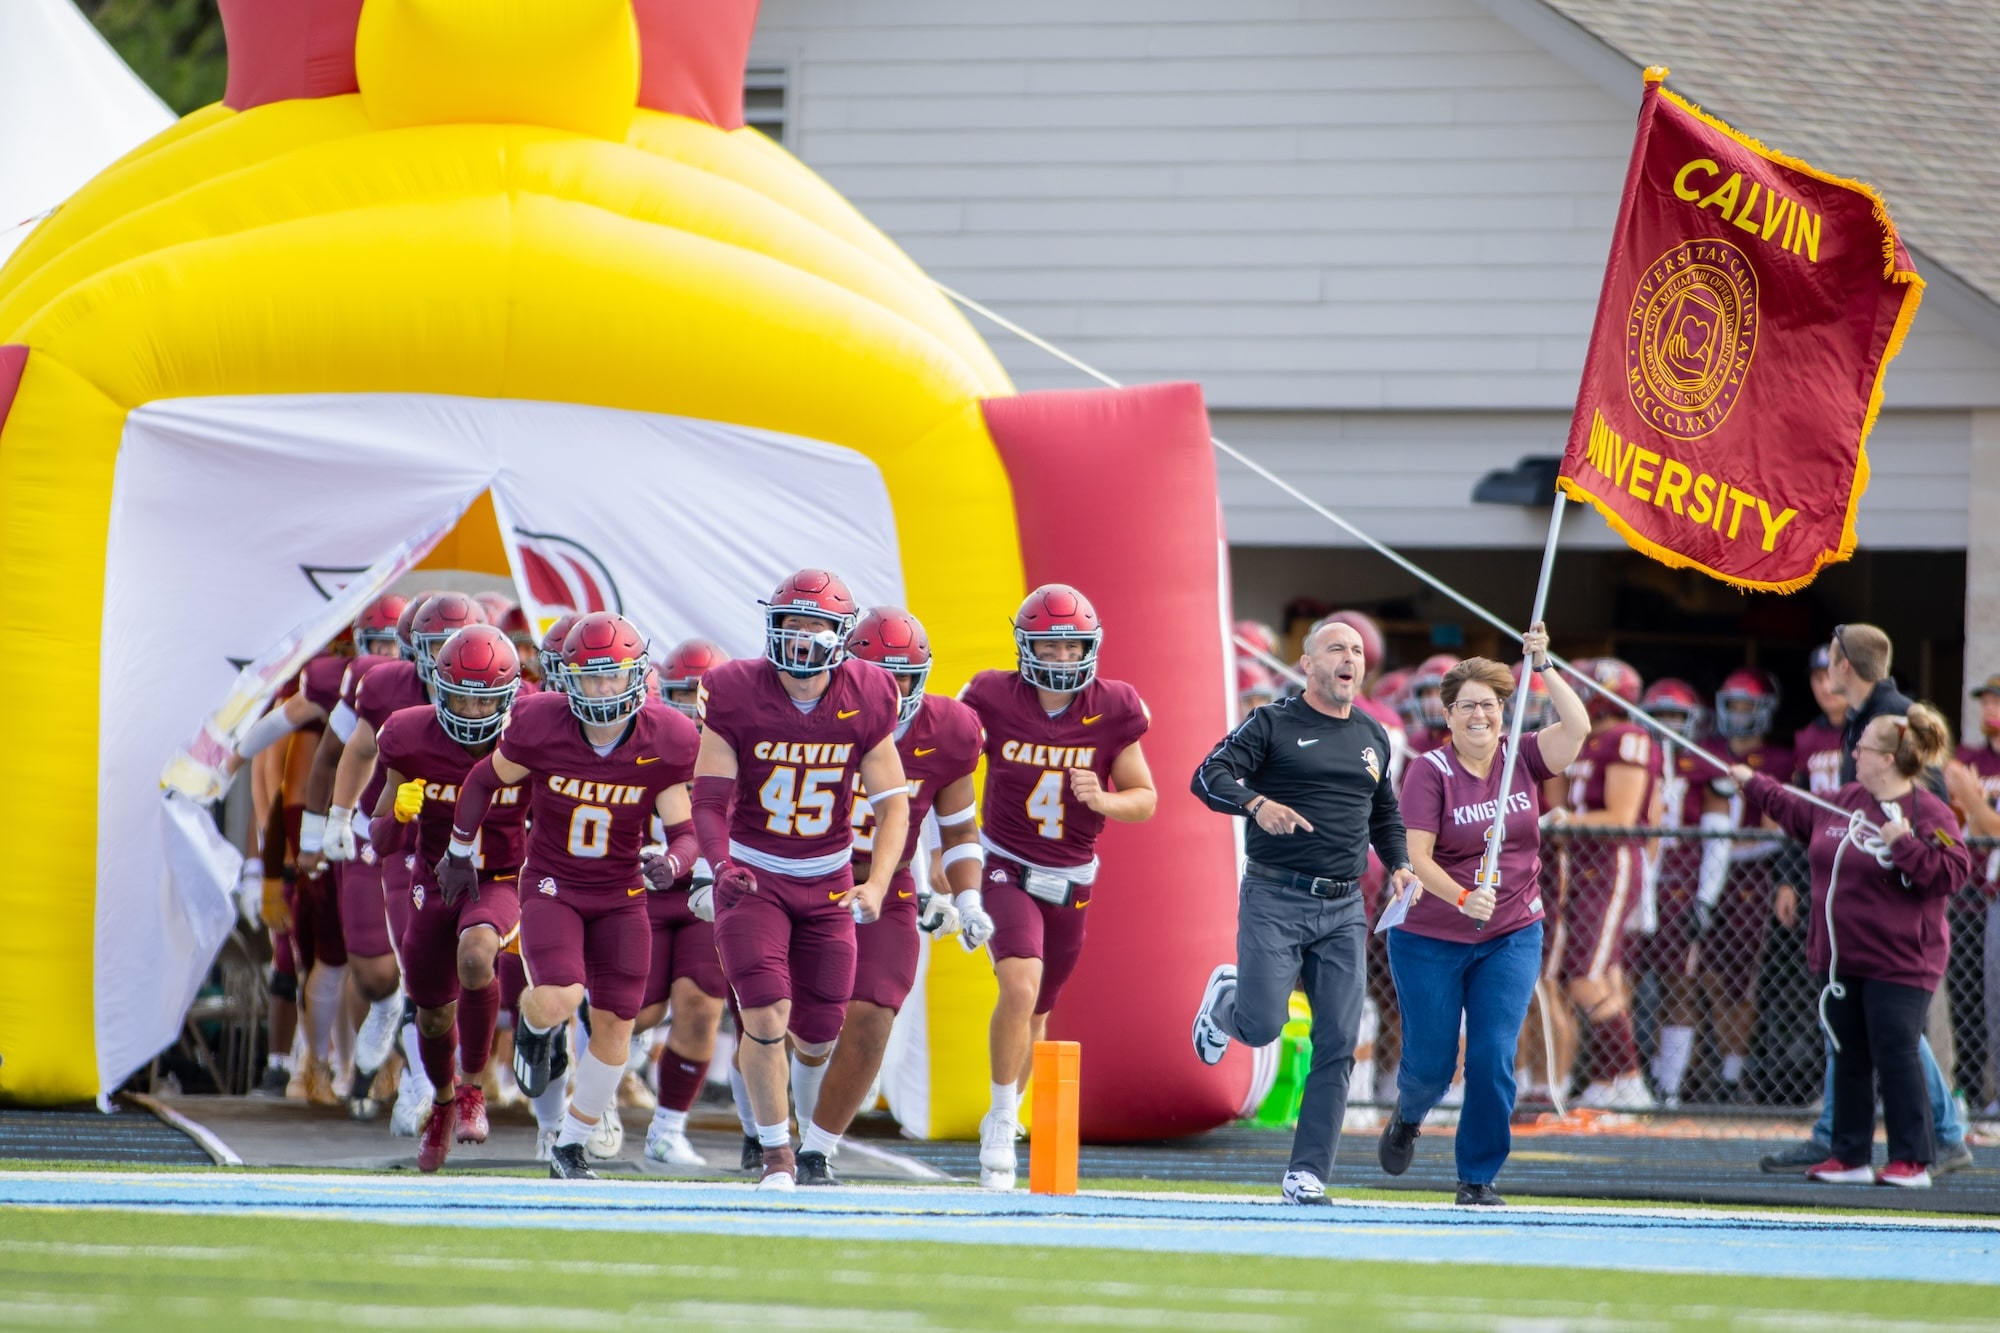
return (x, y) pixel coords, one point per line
(1333, 662)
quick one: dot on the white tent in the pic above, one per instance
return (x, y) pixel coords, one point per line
(70, 107)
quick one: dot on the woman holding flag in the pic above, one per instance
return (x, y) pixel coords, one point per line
(1468, 951)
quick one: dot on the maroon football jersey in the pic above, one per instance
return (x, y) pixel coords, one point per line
(1028, 810)
(941, 746)
(413, 743)
(1620, 743)
(591, 812)
(1984, 760)
(797, 772)
(379, 692)
(1774, 762)
(320, 680)
(1816, 752)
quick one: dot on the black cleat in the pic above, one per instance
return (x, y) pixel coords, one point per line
(1478, 1196)
(753, 1154)
(1398, 1145)
(567, 1163)
(274, 1081)
(814, 1169)
(535, 1058)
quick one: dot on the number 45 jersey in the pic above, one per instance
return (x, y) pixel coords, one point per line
(590, 813)
(797, 772)
(1028, 811)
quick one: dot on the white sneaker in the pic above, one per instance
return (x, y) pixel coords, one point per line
(1304, 1187)
(1629, 1093)
(1596, 1095)
(378, 1035)
(414, 1096)
(1211, 1041)
(545, 1144)
(672, 1147)
(996, 1151)
(609, 1136)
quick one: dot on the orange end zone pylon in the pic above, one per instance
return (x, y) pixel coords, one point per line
(1052, 1146)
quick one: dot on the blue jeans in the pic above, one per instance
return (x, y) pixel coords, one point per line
(1945, 1124)
(1490, 983)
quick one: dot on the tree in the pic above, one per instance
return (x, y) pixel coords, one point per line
(176, 46)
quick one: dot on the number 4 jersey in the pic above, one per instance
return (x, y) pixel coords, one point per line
(1028, 811)
(589, 813)
(797, 771)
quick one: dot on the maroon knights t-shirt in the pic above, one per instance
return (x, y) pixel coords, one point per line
(1440, 797)
(1816, 755)
(592, 812)
(414, 744)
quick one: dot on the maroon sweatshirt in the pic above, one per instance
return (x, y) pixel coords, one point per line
(1889, 920)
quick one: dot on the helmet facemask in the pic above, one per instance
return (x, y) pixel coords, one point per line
(908, 705)
(1741, 715)
(606, 709)
(1058, 677)
(800, 652)
(467, 729)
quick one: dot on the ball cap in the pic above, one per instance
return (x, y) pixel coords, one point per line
(1991, 685)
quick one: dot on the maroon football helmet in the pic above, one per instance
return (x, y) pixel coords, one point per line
(1374, 648)
(1054, 613)
(438, 619)
(496, 605)
(1257, 634)
(1615, 675)
(405, 648)
(1426, 682)
(894, 640)
(1256, 685)
(604, 647)
(681, 673)
(809, 652)
(475, 676)
(1540, 707)
(1675, 705)
(1393, 689)
(1747, 704)
(375, 629)
(551, 651)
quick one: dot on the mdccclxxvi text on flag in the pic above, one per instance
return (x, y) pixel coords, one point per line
(1750, 309)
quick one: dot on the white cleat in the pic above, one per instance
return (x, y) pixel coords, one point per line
(377, 1037)
(414, 1096)
(1304, 1187)
(997, 1162)
(1629, 1093)
(671, 1146)
(1210, 1041)
(1596, 1096)
(545, 1144)
(609, 1136)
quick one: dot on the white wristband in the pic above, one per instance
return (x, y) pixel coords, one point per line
(957, 816)
(339, 814)
(361, 824)
(965, 851)
(967, 900)
(459, 847)
(312, 832)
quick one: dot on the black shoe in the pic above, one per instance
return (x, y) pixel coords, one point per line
(567, 1163)
(753, 1154)
(1398, 1145)
(814, 1169)
(361, 1106)
(1795, 1160)
(274, 1081)
(535, 1058)
(1478, 1196)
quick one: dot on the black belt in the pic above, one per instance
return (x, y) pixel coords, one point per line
(1317, 886)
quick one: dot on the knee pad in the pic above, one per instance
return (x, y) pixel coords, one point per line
(284, 986)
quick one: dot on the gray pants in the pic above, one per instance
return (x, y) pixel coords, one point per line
(1286, 938)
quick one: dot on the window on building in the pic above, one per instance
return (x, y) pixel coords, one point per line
(764, 95)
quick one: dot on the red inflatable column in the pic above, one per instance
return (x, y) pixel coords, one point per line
(1115, 492)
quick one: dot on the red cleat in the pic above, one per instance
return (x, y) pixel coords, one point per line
(471, 1100)
(439, 1129)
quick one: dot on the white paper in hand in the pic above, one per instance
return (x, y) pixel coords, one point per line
(1398, 908)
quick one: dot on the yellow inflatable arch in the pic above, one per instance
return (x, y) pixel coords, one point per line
(437, 204)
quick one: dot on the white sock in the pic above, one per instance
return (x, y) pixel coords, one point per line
(322, 1008)
(818, 1140)
(805, 1088)
(1361, 1083)
(283, 1061)
(413, 1055)
(388, 1009)
(550, 1105)
(1006, 1101)
(740, 1090)
(669, 1122)
(1670, 1064)
(574, 1130)
(1732, 1068)
(595, 1085)
(775, 1136)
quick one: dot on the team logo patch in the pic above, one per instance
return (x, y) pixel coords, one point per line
(998, 877)
(1372, 762)
(1690, 337)
(368, 854)
(417, 896)
(547, 886)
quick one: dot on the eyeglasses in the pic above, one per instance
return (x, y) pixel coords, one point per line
(1468, 707)
(1840, 639)
(1876, 748)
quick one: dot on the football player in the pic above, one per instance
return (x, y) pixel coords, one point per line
(785, 738)
(685, 980)
(599, 760)
(1669, 875)
(939, 741)
(1613, 783)
(450, 945)
(1817, 748)
(1062, 756)
(1430, 725)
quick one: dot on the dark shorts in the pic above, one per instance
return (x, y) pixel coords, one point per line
(790, 940)
(430, 940)
(1665, 951)
(364, 918)
(1729, 954)
(595, 938)
(683, 946)
(513, 978)
(316, 934)
(886, 949)
(1025, 927)
(1594, 916)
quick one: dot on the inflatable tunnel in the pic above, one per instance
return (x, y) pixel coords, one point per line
(516, 277)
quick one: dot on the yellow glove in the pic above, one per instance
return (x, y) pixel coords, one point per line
(409, 800)
(276, 915)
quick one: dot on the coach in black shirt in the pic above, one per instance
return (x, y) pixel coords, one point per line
(1311, 774)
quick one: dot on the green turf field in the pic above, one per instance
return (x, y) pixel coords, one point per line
(122, 1270)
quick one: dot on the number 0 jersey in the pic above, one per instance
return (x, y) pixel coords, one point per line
(1028, 810)
(590, 813)
(797, 772)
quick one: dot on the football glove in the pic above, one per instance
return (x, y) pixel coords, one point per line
(409, 800)
(701, 901)
(936, 915)
(339, 839)
(456, 878)
(975, 928)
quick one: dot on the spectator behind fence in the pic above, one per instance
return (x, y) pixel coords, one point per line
(1857, 666)
(1973, 782)
(1878, 935)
